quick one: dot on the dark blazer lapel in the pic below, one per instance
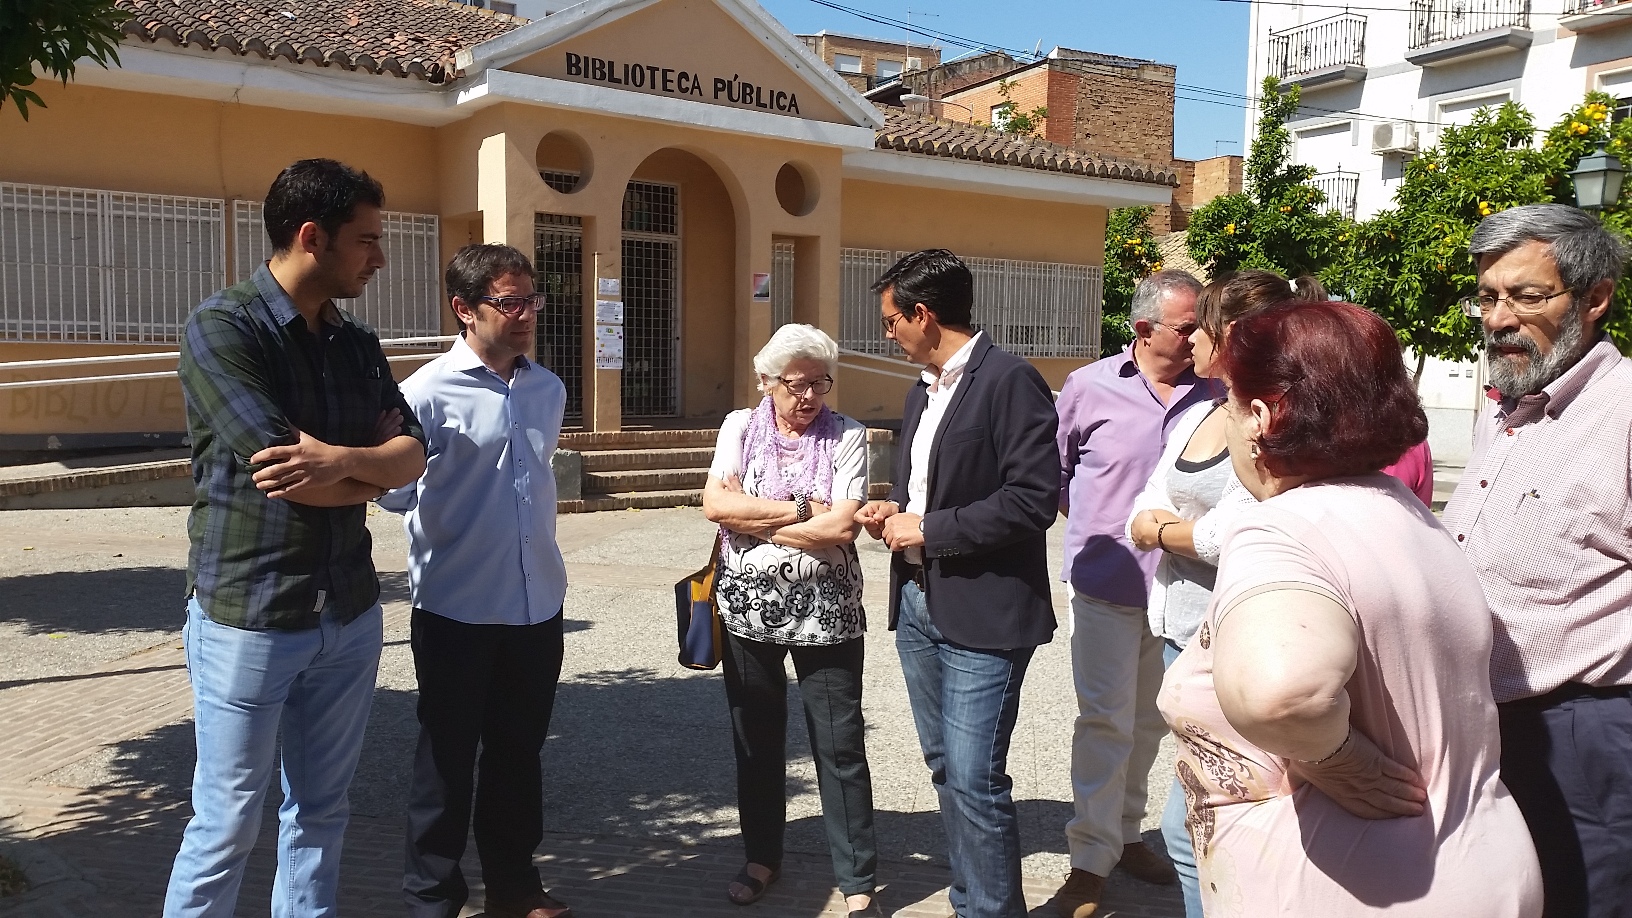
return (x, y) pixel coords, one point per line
(976, 357)
(917, 400)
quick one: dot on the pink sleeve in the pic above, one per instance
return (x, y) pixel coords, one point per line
(1416, 469)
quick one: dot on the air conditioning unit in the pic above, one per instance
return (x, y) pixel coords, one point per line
(1394, 137)
(915, 63)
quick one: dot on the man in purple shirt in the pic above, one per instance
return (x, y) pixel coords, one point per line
(1115, 415)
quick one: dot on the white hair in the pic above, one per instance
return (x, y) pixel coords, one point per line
(794, 342)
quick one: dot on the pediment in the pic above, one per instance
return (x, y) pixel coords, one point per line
(713, 52)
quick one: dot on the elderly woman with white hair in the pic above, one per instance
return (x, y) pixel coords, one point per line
(787, 480)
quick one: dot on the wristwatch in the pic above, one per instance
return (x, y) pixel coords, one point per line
(801, 506)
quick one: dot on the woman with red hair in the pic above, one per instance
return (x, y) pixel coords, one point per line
(1337, 736)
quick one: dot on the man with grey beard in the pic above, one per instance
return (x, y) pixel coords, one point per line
(1544, 513)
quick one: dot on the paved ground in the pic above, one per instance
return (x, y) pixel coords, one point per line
(96, 741)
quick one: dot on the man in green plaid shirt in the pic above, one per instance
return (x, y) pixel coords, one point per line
(296, 423)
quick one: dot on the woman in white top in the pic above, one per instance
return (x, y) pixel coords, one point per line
(787, 480)
(1182, 512)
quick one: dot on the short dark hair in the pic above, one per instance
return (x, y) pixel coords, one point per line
(475, 266)
(935, 277)
(1343, 402)
(319, 191)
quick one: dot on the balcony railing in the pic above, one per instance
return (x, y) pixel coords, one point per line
(1574, 7)
(1340, 189)
(1434, 21)
(1335, 41)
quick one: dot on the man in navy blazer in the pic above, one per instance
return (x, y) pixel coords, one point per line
(976, 487)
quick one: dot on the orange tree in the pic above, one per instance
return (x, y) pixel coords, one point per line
(1410, 263)
(1578, 134)
(1278, 222)
(51, 36)
(1130, 256)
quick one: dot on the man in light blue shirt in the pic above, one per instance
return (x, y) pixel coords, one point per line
(488, 583)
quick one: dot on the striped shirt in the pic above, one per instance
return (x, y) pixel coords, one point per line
(1544, 513)
(253, 373)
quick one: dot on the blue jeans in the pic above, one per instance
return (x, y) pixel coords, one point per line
(316, 686)
(1175, 833)
(965, 702)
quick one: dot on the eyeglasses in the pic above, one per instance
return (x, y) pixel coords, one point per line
(819, 386)
(1183, 331)
(1521, 304)
(513, 306)
(889, 321)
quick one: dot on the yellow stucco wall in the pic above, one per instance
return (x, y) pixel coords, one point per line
(908, 218)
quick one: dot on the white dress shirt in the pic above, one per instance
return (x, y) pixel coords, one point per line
(941, 389)
(481, 520)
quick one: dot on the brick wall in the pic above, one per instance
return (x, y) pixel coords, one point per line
(1176, 216)
(828, 47)
(1216, 177)
(942, 80)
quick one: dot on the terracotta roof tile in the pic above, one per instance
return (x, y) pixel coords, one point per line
(910, 133)
(405, 38)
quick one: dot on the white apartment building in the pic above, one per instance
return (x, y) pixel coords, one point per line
(1381, 79)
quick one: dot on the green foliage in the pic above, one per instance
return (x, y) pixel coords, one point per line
(1010, 119)
(1410, 263)
(1278, 222)
(1578, 134)
(53, 35)
(1130, 256)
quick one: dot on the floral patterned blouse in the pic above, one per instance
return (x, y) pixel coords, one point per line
(781, 595)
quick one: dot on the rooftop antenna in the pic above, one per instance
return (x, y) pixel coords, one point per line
(910, 14)
(1037, 52)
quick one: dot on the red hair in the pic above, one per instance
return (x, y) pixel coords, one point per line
(1342, 403)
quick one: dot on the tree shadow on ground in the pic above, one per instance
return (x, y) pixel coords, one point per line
(119, 599)
(96, 602)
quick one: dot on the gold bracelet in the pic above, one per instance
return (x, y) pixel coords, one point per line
(1341, 746)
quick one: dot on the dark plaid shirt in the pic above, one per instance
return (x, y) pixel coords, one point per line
(253, 372)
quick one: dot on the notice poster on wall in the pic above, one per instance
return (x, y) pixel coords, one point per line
(608, 312)
(609, 286)
(762, 288)
(608, 347)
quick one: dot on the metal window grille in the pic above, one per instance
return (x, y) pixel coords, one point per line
(858, 307)
(1036, 308)
(559, 260)
(1029, 308)
(781, 284)
(403, 300)
(563, 182)
(1330, 42)
(1340, 189)
(651, 300)
(78, 264)
(1435, 21)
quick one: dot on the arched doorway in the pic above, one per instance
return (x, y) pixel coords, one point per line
(678, 262)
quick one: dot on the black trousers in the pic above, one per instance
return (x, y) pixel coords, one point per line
(491, 686)
(756, 686)
(1567, 759)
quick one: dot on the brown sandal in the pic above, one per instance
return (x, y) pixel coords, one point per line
(756, 888)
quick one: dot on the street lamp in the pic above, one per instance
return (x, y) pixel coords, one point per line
(914, 97)
(1598, 180)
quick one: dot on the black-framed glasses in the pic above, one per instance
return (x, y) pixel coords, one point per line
(1521, 304)
(513, 306)
(820, 386)
(1183, 331)
(889, 321)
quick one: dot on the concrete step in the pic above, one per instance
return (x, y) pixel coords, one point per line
(632, 500)
(634, 460)
(161, 478)
(591, 441)
(596, 483)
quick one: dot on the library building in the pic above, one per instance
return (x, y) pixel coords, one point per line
(687, 174)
